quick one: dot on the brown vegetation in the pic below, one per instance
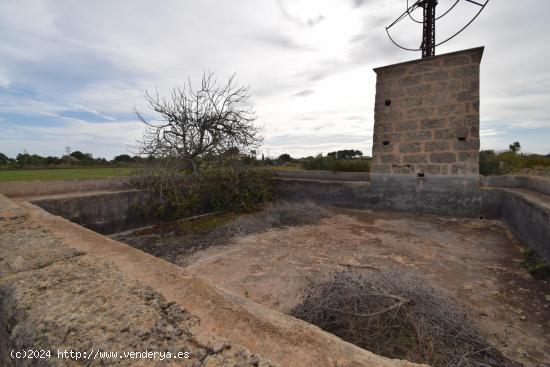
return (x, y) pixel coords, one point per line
(398, 315)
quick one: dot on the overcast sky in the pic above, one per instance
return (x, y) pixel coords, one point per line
(71, 70)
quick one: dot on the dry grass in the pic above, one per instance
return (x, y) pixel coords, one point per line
(278, 214)
(175, 241)
(398, 315)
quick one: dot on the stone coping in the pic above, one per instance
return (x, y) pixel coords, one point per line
(473, 49)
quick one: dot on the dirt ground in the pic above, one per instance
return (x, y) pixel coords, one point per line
(475, 260)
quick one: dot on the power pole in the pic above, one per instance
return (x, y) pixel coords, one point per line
(428, 43)
(428, 31)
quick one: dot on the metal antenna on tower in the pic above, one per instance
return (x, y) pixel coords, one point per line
(429, 43)
(428, 31)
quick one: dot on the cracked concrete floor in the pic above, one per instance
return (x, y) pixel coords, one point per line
(475, 260)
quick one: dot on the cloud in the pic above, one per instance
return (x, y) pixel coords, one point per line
(71, 71)
(304, 93)
(4, 81)
(114, 137)
(309, 21)
(281, 41)
(489, 132)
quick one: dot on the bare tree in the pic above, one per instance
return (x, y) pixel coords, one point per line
(212, 124)
(198, 123)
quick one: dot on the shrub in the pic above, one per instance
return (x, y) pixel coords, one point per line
(123, 158)
(235, 189)
(346, 154)
(535, 264)
(397, 315)
(489, 165)
(501, 163)
(285, 158)
(334, 164)
(4, 159)
(178, 192)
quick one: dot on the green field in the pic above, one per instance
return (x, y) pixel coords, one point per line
(62, 174)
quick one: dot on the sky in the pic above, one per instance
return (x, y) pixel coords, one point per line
(71, 70)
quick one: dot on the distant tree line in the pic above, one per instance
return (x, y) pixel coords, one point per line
(491, 162)
(346, 160)
(76, 158)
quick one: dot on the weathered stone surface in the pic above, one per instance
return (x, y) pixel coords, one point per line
(402, 169)
(452, 109)
(381, 148)
(419, 112)
(384, 129)
(465, 72)
(466, 96)
(415, 158)
(466, 120)
(449, 134)
(382, 168)
(418, 90)
(392, 115)
(434, 146)
(469, 144)
(20, 247)
(432, 123)
(391, 138)
(411, 102)
(437, 99)
(442, 157)
(410, 147)
(406, 125)
(457, 61)
(410, 80)
(56, 298)
(435, 75)
(83, 304)
(417, 135)
(390, 158)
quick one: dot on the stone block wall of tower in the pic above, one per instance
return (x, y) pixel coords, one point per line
(426, 119)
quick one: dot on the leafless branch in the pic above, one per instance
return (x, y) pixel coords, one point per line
(396, 314)
(199, 122)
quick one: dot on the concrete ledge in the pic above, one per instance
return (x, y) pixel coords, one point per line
(409, 198)
(103, 212)
(533, 183)
(428, 183)
(324, 175)
(528, 216)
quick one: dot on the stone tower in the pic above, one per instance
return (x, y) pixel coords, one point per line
(426, 121)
